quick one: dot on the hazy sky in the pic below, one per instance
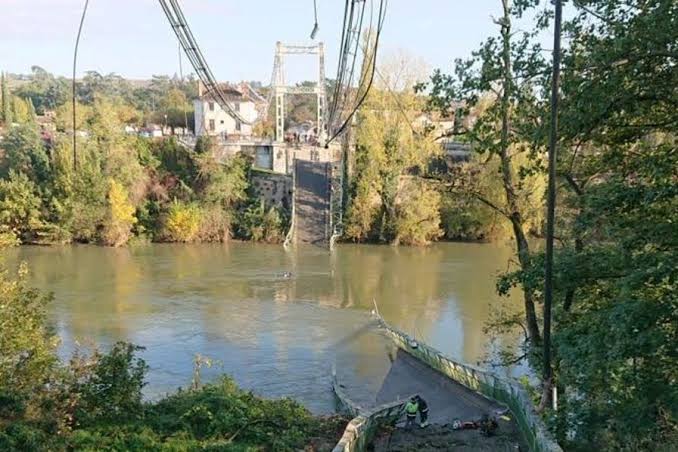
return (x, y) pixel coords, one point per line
(133, 38)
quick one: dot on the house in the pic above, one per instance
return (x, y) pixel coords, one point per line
(211, 119)
(151, 131)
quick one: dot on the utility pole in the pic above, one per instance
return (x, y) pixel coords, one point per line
(547, 397)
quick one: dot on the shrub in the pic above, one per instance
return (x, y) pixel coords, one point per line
(112, 391)
(27, 348)
(181, 222)
(19, 205)
(417, 219)
(215, 224)
(261, 224)
(119, 216)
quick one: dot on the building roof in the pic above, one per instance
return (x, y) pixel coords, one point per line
(231, 94)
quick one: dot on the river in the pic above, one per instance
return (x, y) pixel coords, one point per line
(276, 334)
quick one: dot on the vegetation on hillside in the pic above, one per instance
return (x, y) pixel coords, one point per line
(119, 186)
(615, 311)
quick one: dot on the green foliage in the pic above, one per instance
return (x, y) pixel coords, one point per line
(117, 186)
(615, 309)
(112, 391)
(181, 222)
(44, 90)
(119, 216)
(19, 206)
(177, 160)
(465, 218)
(64, 116)
(388, 147)
(417, 218)
(223, 184)
(260, 223)
(79, 203)
(5, 105)
(26, 153)
(27, 349)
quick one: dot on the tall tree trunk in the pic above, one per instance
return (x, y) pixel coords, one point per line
(515, 215)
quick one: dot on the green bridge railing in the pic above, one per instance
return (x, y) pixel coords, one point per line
(504, 390)
(365, 423)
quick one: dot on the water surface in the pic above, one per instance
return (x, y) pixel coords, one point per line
(274, 334)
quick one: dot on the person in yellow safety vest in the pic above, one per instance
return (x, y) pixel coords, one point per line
(411, 410)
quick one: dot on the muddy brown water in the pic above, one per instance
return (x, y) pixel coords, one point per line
(275, 333)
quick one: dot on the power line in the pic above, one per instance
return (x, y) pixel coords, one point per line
(187, 40)
(75, 62)
(371, 64)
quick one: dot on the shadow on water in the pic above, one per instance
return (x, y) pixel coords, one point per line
(276, 333)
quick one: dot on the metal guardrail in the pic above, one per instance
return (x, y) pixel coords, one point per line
(289, 237)
(361, 429)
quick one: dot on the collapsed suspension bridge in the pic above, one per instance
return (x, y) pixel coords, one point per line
(362, 25)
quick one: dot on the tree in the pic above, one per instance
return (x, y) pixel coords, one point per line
(261, 223)
(223, 184)
(26, 344)
(417, 218)
(44, 90)
(64, 117)
(20, 205)
(614, 299)
(22, 111)
(181, 222)
(119, 216)
(615, 316)
(26, 153)
(507, 73)
(388, 145)
(5, 104)
(79, 197)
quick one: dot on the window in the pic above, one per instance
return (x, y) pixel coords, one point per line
(211, 106)
(222, 121)
(237, 126)
(212, 125)
(237, 106)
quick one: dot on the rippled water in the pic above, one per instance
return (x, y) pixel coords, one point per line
(276, 335)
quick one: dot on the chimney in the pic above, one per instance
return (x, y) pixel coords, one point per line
(201, 88)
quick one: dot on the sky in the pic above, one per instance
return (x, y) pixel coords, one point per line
(132, 37)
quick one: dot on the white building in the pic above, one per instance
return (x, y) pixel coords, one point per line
(211, 119)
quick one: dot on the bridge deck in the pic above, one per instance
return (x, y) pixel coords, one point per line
(312, 198)
(447, 399)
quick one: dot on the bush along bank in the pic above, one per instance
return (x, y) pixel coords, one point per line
(124, 188)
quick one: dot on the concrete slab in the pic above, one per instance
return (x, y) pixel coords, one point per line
(447, 399)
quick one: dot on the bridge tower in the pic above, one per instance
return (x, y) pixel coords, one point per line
(279, 87)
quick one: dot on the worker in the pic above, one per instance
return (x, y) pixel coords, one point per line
(423, 412)
(411, 410)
